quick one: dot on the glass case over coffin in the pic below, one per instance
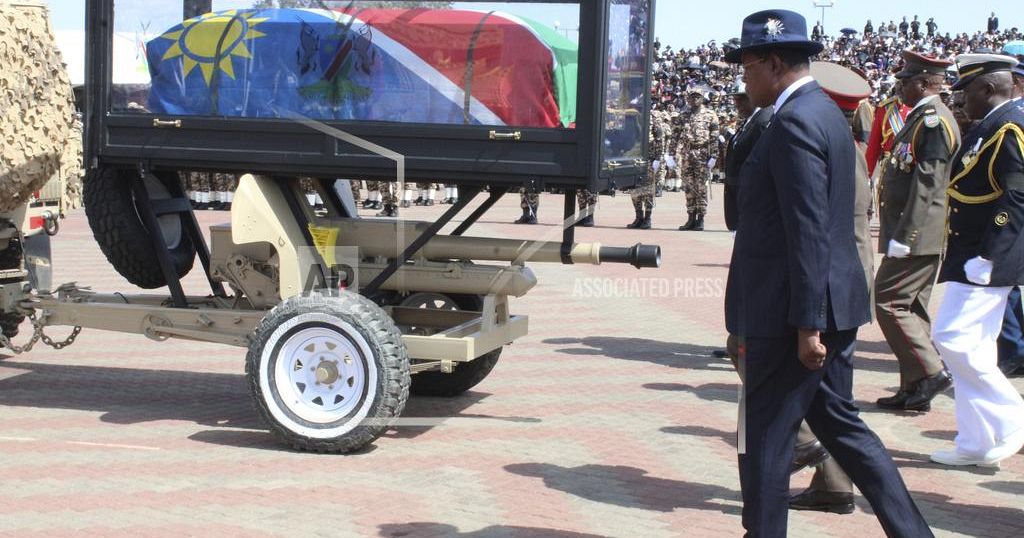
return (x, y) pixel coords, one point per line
(485, 92)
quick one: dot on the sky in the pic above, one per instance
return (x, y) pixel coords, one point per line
(688, 23)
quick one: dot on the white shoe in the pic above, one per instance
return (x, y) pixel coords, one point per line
(957, 458)
(1008, 447)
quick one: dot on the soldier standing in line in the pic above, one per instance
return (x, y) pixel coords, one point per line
(389, 197)
(451, 193)
(643, 195)
(529, 202)
(912, 210)
(201, 185)
(587, 202)
(671, 162)
(698, 134)
(373, 196)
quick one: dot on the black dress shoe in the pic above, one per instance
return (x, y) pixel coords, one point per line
(822, 501)
(927, 389)
(895, 401)
(810, 454)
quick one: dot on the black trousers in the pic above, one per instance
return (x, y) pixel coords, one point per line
(732, 217)
(779, 392)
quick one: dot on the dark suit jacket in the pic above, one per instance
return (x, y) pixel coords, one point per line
(740, 146)
(986, 200)
(795, 262)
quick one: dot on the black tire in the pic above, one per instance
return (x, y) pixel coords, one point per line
(10, 258)
(366, 345)
(120, 232)
(466, 375)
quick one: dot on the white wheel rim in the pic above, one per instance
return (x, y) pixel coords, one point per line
(323, 376)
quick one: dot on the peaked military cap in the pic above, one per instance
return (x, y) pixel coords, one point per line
(918, 64)
(972, 66)
(842, 84)
(772, 29)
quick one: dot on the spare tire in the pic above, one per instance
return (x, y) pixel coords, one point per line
(113, 215)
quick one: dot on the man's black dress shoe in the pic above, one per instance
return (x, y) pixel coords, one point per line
(822, 501)
(896, 401)
(810, 454)
(927, 389)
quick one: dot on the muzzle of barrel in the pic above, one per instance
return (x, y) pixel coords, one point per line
(638, 255)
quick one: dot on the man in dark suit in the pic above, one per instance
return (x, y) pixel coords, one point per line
(796, 292)
(752, 122)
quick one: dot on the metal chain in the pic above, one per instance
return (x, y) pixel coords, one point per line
(37, 335)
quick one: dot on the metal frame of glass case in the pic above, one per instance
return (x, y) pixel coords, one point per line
(464, 154)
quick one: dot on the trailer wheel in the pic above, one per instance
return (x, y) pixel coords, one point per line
(466, 375)
(10, 258)
(120, 232)
(328, 373)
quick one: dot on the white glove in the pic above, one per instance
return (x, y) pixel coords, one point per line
(712, 162)
(656, 165)
(897, 249)
(979, 271)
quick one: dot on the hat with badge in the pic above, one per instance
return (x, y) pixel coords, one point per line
(918, 64)
(842, 84)
(774, 29)
(972, 66)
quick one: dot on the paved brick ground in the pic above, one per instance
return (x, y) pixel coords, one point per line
(611, 419)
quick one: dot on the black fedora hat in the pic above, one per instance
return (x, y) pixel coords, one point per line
(774, 28)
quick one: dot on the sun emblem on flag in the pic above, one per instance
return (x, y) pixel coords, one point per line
(774, 27)
(200, 37)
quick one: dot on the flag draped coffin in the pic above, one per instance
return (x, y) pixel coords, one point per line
(434, 66)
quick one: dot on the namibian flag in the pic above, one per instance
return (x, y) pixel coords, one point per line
(399, 65)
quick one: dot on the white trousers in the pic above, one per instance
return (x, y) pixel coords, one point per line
(988, 407)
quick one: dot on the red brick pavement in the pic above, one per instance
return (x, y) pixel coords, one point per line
(611, 419)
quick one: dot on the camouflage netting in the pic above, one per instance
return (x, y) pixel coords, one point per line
(36, 107)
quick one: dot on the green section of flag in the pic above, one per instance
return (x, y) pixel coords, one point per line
(565, 77)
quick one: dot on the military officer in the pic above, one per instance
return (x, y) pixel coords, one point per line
(912, 211)
(697, 135)
(984, 259)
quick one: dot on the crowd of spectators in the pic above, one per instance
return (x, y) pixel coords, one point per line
(874, 51)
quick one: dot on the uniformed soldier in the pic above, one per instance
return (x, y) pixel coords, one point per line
(698, 140)
(912, 211)
(983, 261)
(673, 183)
(643, 194)
(587, 202)
(389, 198)
(529, 202)
(373, 196)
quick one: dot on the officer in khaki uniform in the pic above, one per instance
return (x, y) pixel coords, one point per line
(912, 211)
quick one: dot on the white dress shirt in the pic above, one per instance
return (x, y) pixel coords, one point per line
(788, 92)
